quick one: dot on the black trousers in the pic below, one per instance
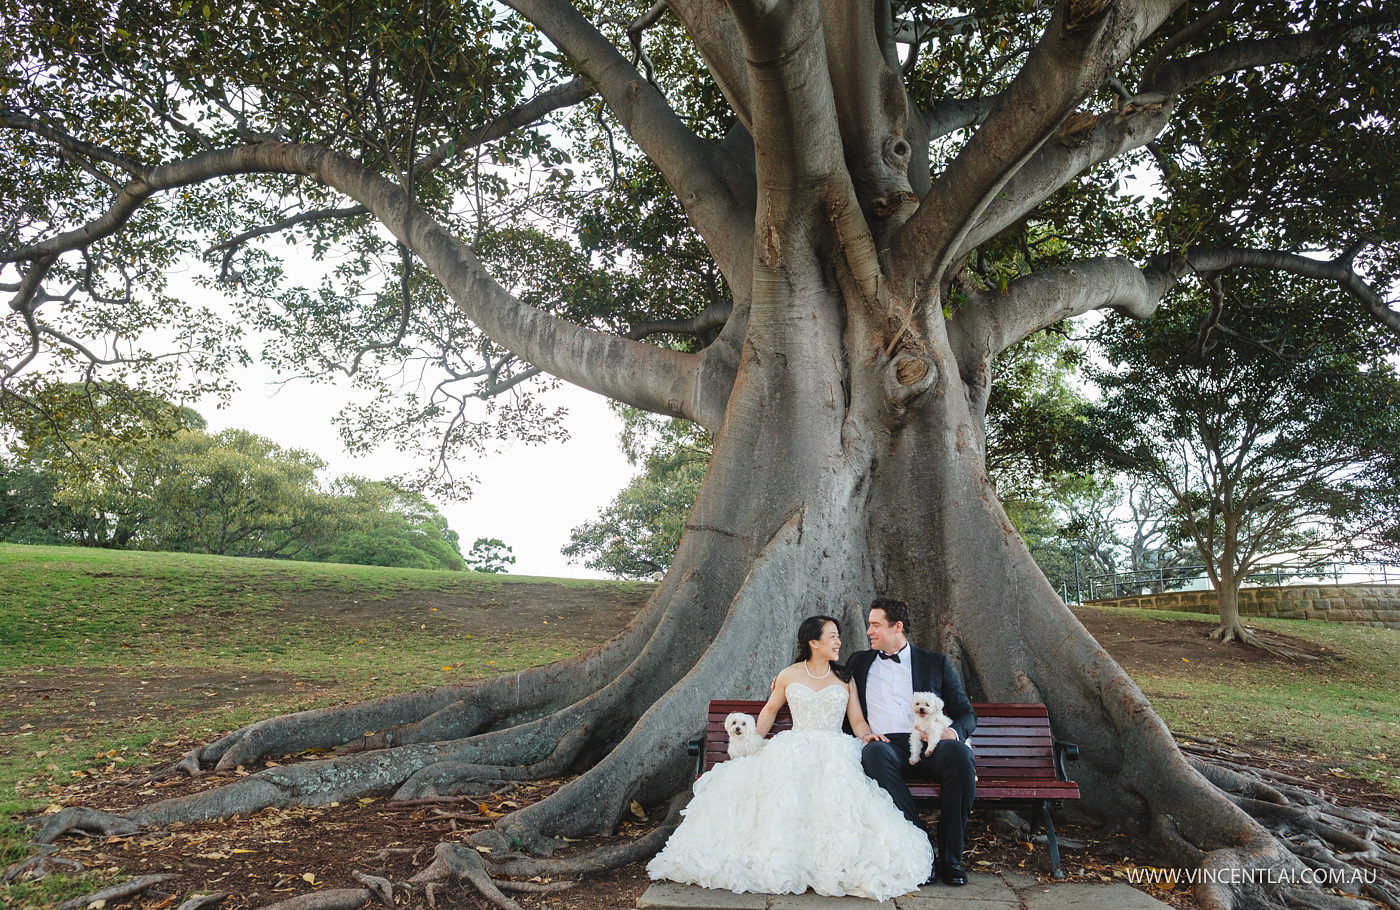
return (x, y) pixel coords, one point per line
(950, 766)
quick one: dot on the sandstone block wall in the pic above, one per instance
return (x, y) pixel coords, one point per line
(1376, 605)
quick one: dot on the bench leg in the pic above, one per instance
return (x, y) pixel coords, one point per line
(1050, 841)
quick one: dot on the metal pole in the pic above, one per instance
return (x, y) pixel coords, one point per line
(1077, 597)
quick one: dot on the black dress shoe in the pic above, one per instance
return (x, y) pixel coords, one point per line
(953, 874)
(932, 875)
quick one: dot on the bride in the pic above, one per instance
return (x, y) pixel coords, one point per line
(800, 813)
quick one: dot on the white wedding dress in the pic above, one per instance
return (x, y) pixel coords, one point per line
(798, 814)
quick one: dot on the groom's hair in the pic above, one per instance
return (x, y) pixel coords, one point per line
(895, 611)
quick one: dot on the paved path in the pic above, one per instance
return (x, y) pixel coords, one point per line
(984, 891)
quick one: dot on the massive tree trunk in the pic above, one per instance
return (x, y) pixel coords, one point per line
(846, 391)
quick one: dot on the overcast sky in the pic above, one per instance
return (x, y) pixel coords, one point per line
(528, 496)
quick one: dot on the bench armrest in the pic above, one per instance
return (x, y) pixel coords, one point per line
(696, 749)
(1064, 752)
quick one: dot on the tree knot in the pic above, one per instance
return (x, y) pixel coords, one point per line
(1076, 128)
(1081, 15)
(887, 205)
(909, 370)
(909, 376)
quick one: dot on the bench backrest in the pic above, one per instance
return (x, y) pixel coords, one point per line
(1012, 746)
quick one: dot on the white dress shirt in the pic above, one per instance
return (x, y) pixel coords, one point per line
(888, 687)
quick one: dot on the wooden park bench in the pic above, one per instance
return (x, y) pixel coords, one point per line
(1020, 765)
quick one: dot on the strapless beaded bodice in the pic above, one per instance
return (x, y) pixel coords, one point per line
(819, 709)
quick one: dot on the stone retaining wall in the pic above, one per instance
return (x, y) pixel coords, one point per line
(1375, 605)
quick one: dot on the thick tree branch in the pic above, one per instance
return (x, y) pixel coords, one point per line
(71, 144)
(991, 321)
(695, 171)
(567, 95)
(189, 171)
(1184, 37)
(798, 141)
(707, 320)
(647, 377)
(711, 27)
(1339, 270)
(796, 137)
(1087, 139)
(947, 116)
(1081, 143)
(872, 112)
(1173, 77)
(1084, 42)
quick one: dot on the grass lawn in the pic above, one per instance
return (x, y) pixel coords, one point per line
(1343, 711)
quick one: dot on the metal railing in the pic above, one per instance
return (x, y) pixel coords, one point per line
(1194, 578)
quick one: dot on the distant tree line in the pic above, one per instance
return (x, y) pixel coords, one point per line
(113, 467)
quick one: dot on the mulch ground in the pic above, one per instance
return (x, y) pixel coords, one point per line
(280, 853)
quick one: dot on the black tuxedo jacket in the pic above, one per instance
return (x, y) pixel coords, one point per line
(931, 672)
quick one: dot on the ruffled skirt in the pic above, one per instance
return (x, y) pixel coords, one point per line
(800, 814)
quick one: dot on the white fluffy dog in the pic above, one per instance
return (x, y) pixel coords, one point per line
(743, 735)
(928, 718)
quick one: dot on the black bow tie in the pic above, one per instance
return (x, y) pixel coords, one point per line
(884, 656)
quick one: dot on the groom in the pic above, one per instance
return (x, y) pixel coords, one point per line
(886, 676)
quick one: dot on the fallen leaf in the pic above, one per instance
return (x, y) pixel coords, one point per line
(309, 878)
(637, 810)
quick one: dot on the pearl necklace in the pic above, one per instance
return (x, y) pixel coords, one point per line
(823, 676)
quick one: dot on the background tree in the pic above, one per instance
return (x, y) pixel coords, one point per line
(82, 462)
(637, 534)
(1286, 454)
(840, 167)
(490, 554)
(111, 467)
(234, 493)
(380, 524)
(29, 509)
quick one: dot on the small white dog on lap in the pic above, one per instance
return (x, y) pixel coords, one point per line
(930, 719)
(743, 735)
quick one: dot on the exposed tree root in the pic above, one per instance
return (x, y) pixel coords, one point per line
(76, 818)
(447, 713)
(601, 859)
(1238, 633)
(381, 888)
(125, 889)
(41, 866)
(334, 899)
(199, 901)
(1347, 848)
(462, 862)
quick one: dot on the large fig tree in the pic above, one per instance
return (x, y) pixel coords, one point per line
(879, 198)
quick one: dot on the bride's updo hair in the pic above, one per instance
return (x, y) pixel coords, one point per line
(811, 630)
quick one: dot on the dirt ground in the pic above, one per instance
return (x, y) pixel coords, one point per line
(277, 854)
